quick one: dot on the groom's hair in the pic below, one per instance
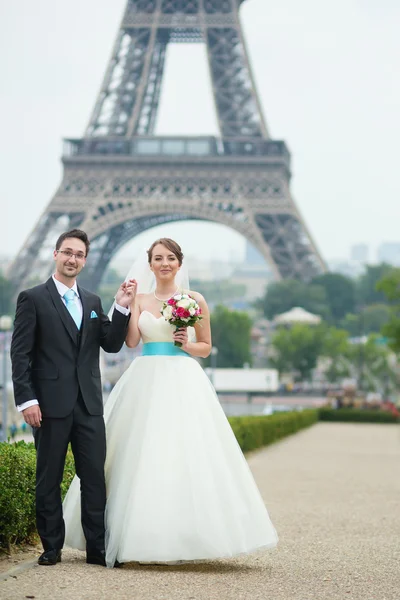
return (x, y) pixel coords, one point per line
(74, 233)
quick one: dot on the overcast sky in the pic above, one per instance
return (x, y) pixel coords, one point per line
(327, 74)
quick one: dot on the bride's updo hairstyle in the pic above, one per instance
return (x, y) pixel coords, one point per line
(172, 246)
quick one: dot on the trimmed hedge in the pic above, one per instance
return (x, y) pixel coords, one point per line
(354, 415)
(17, 492)
(258, 431)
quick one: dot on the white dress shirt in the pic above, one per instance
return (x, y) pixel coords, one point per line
(62, 289)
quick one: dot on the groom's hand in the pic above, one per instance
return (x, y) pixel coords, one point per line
(126, 293)
(32, 415)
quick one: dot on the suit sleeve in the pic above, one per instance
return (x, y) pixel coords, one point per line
(22, 345)
(113, 333)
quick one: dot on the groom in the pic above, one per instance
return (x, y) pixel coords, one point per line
(59, 329)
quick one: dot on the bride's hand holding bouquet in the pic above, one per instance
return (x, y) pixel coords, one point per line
(182, 311)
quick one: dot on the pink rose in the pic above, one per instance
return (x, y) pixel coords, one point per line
(182, 312)
(171, 302)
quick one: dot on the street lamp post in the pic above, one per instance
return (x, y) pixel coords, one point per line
(5, 326)
(214, 353)
(361, 357)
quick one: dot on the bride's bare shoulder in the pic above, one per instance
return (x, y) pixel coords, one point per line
(196, 295)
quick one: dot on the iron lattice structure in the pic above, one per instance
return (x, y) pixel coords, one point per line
(121, 179)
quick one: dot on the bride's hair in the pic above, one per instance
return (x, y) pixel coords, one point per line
(172, 246)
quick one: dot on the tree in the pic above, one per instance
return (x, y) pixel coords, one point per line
(340, 292)
(336, 348)
(335, 342)
(375, 317)
(297, 349)
(231, 335)
(372, 363)
(369, 320)
(6, 294)
(352, 324)
(281, 296)
(390, 287)
(367, 290)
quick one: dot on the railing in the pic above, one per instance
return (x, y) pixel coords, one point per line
(152, 146)
(133, 18)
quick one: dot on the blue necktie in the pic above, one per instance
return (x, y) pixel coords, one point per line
(72, 308)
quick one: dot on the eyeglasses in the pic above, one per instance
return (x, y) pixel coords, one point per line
(68, 254)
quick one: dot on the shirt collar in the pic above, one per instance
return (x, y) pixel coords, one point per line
(62, 288)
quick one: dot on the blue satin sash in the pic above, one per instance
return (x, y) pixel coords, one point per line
(162, 349)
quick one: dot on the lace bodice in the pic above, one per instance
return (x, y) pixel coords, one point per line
(154, 329)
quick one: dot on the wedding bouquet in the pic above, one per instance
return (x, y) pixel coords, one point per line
(182, 311)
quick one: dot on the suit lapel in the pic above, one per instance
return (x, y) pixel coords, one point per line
(65, 317)
(86, 314)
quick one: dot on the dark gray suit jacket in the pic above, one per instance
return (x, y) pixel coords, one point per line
(51, 359)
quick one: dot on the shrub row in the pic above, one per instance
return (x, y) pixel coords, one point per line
(17, 492)
(255, 432)
(354, 415)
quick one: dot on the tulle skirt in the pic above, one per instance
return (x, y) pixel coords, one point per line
(178, 485)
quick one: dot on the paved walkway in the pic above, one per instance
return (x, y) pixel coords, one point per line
(333, 494)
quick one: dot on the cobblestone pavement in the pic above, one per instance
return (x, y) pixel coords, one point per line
(333, 494)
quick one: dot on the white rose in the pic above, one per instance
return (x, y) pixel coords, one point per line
(192, 311)
(178, 297)
(184, 303)
(167, 312)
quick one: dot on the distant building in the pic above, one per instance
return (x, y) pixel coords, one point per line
(360, 253)
(389, 252)
(355, 264)
(254, 273)
(346, 267)
(254, 278)
(210, 270)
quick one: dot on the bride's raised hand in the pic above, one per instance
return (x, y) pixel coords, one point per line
(131, 289)
(126, 293)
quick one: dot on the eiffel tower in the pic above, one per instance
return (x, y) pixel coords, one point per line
(121, 179)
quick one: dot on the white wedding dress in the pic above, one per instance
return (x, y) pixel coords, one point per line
(178, 485)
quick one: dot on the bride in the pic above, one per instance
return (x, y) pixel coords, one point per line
(178, 485)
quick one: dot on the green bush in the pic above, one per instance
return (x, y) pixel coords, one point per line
(258, 431)
(354, 415)
(69, 473)
(17, 492)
